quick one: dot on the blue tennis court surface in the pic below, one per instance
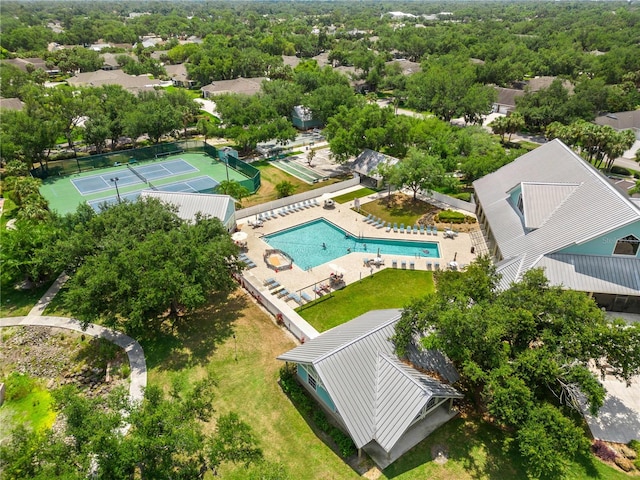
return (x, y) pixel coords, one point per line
(193, 185)
(126, 177)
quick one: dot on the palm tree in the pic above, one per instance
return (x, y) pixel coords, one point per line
(233, 189)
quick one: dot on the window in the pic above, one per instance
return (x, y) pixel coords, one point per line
(520, 204)
(312, 381)
(627, 246)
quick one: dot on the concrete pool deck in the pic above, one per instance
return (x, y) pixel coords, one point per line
(351, 265)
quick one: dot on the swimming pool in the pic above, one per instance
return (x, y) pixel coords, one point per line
(320, 241)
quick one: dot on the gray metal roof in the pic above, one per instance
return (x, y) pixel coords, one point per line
(594, 207)
(189, 204)
(376, 395)
(369, 160)
(542, 199)
(591, 273)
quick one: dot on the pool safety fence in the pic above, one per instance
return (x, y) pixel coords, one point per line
(285, 315)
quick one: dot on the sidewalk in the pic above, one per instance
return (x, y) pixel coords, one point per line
(135, 353)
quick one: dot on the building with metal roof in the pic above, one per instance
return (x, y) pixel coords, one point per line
(190, 204)
(385, 405)
(551, 209)
(366, 165)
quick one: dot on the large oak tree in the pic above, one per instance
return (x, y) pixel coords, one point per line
(524, 354)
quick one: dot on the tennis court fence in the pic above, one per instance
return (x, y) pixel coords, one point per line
(134, 156)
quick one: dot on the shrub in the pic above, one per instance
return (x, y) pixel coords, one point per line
(617, 170)
(451, 216)
(18, 386)
(301, 400)
(602, 451)
(634, 445)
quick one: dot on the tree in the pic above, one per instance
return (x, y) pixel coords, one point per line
(70, 106)
(524, 354)
(185, 105)
(311, 154)
(137, 265)
(509, 124)
(285, 189)
(233, 189)
(153, 115)
(165, 438)
(419, 171)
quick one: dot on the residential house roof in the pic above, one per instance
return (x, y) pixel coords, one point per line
(408, 67)
(368, 161)
(189, 204)
(507, 96)
(246, 86)
(11, 104)
(23, 63)
(377, 396)
(291, 60)
(567, 202)
(98, 47)
(113, 77)
(177, 72)
(109, 60)
(538, 83)
(620, 120)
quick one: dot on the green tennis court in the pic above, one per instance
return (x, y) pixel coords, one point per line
(182, 172)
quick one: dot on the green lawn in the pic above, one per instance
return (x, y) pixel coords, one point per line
(389, 288)
(400, 209)
(16, 302)
(347, 197)
(34, 410)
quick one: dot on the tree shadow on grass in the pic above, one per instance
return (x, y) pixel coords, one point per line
(193, 339)
(473, 446)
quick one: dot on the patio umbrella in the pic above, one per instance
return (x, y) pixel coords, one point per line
(239, 236)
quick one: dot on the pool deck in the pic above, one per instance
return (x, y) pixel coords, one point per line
(352, 265)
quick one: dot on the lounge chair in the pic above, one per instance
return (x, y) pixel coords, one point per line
(428, 229)
(282, 293)
(436, 266)
(250, 264)
(395, 228)
(388, 227)
(294, 296)
(366, 262)
(412, 265)
(402, 228)
(274, 285)
(428, 265)
(380, 223)
(435, 230)
(368, 218)
(415, 229)
(404, 264)
(421, 229)
(268, 281)
(315, 202)
(276, 291)
(408, 229)
(394, 263)
(282, 212)
(306, 296)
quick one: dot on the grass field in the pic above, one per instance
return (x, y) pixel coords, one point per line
(400, 209)
(16, 302)
(389, 288)
(270, 176)
(347, 197)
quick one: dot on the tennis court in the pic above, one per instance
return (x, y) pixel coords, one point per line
(196, 185)
(132, 176)
(180, 172)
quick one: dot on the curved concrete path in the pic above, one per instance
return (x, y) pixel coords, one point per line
(134, 351)
(138, 364)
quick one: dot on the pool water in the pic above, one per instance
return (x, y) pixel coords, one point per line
(320, 241)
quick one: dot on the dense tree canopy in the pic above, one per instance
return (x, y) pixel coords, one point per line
(524, 354)
(137, 264)
(110, 439)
